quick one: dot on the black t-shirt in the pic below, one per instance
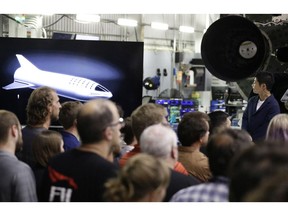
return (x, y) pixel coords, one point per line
(179, 181)
(76, 176)
(28, 134)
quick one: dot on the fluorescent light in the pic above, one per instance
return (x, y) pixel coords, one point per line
(160, 26)
(20, 19)
(186, 29)
(127, 22)
(88, 17)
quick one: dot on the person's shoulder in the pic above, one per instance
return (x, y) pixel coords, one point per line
(22, 169)
(272, 98)
(187, 179)
(185, 194)
(28, 130)
(253, 98)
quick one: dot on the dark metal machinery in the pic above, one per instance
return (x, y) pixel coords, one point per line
(236, 47)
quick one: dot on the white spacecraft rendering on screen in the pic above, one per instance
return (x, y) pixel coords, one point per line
(74, 87)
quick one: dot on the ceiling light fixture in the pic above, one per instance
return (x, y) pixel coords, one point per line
(160, 26)
(127, 22)
(186, 29)
(88, 17)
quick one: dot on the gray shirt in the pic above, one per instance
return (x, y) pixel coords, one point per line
(17, 181)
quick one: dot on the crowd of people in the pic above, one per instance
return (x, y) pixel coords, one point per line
(100, 156)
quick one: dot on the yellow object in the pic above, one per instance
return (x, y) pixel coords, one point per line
(195, 95)
(179, 77)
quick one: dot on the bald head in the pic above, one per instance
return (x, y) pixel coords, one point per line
(93, 118)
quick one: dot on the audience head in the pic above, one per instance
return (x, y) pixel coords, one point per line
(256, 165)
(274, 189)
(68, 113)
(193, 127)
(10, 131)
(120, 110)
(144, 178)
(266, 78)
(43, 105)
(98, 120)
(219, 120)
(146, 115)
(160, 141)
(278, 128)
(223, 146)
(45, 145)
(128, 135)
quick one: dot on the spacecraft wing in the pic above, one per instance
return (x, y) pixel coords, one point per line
(17, 85)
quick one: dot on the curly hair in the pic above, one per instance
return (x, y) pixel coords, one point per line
(37, 107)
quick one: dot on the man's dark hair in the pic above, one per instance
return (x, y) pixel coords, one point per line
(68, 113)
(223, 146)
(265, 78)
(128, 131)
(192, 127)
(217, 120)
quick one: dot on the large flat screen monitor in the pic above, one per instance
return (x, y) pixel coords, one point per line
(76, 69)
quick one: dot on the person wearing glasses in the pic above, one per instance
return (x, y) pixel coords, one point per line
(260, 108)
(79, 175)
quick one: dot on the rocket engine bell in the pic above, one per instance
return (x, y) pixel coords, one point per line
(234, 48)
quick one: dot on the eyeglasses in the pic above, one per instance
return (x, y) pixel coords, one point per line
(120, 121)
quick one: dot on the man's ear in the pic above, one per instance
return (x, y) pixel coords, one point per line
(14, 130)
(108, 133)
(263, 86)
(50, 108)
(75, 122)
(174, 153)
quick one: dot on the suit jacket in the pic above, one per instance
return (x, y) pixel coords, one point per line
(256, 122)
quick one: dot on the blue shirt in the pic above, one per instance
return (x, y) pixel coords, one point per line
(70, 141)
(216, 190)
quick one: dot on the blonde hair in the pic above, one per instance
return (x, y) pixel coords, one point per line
(278, 128)
(141, 175)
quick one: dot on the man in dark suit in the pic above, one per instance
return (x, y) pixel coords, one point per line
(260, 108)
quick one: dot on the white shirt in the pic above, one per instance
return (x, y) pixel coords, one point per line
(259, 104)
